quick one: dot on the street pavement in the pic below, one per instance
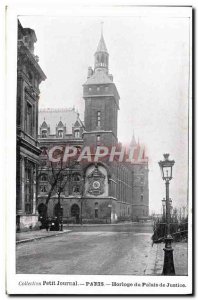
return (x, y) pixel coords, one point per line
(123, 249)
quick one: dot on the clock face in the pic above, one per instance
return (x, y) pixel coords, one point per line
(96, 185)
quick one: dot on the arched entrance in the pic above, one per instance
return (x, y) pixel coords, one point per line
(58, 210)
(75, 212)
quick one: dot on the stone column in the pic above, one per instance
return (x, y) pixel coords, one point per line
(21, 195)
(34, 190)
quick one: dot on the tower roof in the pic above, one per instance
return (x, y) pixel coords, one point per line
(99, 77)
(133, 141)
(102, 46)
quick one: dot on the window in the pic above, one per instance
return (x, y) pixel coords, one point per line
(43, 188)
(98, 118)
(98, 89)
(96, 213)
(142, 197)
(76, 177)
(60, 133)
(76, 189)
(29, 118)
(44, 133)
(77, 134)
(89, 89)
(43, 177)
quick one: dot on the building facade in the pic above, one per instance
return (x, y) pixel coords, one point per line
(29, 76)
(88, 191)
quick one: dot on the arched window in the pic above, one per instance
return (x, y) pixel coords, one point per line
(60, 133)
(44, 133)
(44, 177)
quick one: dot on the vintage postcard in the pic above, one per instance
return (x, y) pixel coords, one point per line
(99, 123)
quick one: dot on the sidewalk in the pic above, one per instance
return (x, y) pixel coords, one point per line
(156, 259)
(29, 236)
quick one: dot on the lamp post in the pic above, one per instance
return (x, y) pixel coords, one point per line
(164, 209)
(171, 207)
(166, 168)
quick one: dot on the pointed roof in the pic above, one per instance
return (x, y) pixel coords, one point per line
(77, 124)
(133, 141)
(44, 124)
(60, 124)
(102, 46)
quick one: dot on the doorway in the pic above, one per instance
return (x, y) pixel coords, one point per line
(75, 212)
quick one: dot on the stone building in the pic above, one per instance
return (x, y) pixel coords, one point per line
(107, 191)
(29, 76)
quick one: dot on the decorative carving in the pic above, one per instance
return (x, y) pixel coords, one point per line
(96, 182)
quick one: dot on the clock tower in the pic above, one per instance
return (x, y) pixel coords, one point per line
(101, 101)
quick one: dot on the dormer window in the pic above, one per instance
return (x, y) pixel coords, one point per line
(77, 133)
(60, 133)
(44, 133)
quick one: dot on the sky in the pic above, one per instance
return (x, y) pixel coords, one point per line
(149, 60)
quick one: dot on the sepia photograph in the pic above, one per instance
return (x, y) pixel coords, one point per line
(103, 151)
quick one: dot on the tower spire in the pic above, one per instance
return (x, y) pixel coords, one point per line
(133, 141)
(102, 23)
(101, 54)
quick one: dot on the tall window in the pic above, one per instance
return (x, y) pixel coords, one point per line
(76, 133)
(98, 138)
(44, 133)
(29, 119)
(60, 133)
(96, 210)
(98, 118)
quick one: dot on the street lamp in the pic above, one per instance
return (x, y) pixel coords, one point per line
(166, 167)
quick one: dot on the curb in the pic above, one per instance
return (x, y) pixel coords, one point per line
(42, 237)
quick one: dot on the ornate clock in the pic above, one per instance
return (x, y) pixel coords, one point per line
(96, 182)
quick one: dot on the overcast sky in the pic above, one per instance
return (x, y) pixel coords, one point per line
(149, 59)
